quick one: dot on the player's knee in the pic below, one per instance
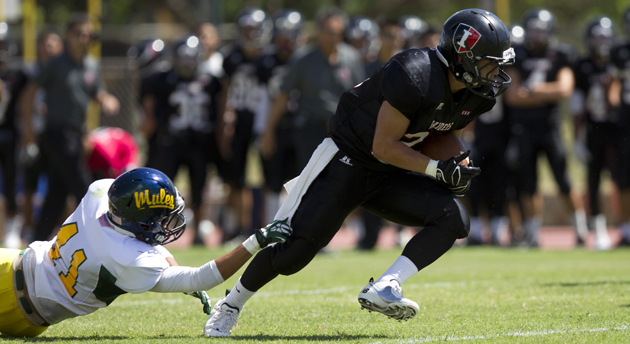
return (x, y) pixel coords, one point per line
(293, 256)
(455, 218)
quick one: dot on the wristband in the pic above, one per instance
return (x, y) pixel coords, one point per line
(431, 168)
(251, 244)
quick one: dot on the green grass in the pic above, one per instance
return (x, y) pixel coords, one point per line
(471, 295)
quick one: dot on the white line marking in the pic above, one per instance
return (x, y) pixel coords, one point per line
(514, 334)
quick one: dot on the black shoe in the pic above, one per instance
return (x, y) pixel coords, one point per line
(625, 242)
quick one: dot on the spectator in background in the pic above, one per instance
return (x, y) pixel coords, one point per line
(12, 84)
(70, 81)
(620, 55)
(541, 79)
(595, 127)
(242, 95)
(49, 44)
(320, 75)
(279, 166)
(186, 110)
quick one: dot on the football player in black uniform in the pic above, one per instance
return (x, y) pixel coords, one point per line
(370, 160)
(362, 33)
(243, 96)
(596, 130)
(620, 58)
(413, 28)
(13, 81)
(279, 165)
(186, 110)
(542, 78)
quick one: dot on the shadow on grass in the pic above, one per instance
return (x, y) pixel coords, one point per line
(315, 338)
(584, 284)
(6, 338)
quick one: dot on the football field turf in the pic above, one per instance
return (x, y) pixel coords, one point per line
(470, 295)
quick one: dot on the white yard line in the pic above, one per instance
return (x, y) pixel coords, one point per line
(514, 334)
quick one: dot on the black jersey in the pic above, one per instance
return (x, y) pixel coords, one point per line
(241, 71)
(620, 61)
(534, 68)
(14, 79)
(182, 104)
(416, 83)
(271, 70)
(592, 80)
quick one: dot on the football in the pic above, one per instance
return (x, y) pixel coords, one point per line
(443, 147)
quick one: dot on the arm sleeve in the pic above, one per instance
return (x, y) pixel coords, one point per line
(188, 279)
(163, 251)
(400, 90)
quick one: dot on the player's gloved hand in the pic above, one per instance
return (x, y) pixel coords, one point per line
(276, 231)
(460, 191)
(205, 300)
(455, 175)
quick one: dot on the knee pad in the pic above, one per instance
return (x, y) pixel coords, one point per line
(292, 256)
(455, 219)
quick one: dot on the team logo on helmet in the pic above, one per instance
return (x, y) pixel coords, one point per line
(465, 38)
(154, 201)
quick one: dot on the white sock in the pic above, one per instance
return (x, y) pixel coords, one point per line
(532, 226)
(581, 226)
(600, 225)
(475, 229)
(499, 226)
(402, 269)
(272, 204)
(239, 295)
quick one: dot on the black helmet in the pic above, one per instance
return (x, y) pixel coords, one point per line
(287, 25)
(517, 34)
(539, 25)
(254, 27)
(476, 35)
(186, 56)
(146, 52)
(412, 28)
(145, 204)
(600, 34)
(365, 31)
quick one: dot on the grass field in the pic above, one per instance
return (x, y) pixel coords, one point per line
(471, 295)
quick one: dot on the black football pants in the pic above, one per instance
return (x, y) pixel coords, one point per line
(405, 198)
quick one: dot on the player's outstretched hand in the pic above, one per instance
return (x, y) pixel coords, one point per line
(205, 300)
(454, 175)
(276, 231)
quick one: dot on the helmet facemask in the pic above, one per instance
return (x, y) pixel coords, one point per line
(484, 75)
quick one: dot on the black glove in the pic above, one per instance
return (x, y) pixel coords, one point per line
(455, 176)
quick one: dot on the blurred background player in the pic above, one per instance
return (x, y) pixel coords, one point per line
(363, 34)
(413, 28)
(391, 43)
(146, 57)
(279, 166)
(320, 75)
(70, 81)
(595, 127)
(13, 81)
(541, 79)
(49, 44)
(111, 151)
(186, 109)
(210, 40)
(620, 58)
(242, 96)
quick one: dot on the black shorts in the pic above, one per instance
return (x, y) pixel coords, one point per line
(190, 149)
(406, 198)
(533, 141)
(488, 189)
(243, 138)
(280, 167)
(623, 167)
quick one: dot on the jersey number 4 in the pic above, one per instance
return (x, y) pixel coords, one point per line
(69, 277)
